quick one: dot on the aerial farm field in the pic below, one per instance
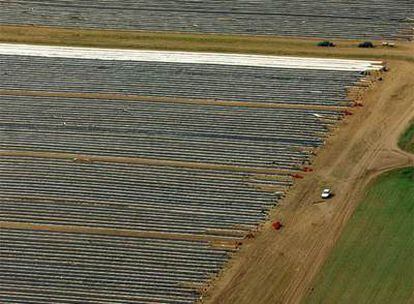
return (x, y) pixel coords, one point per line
(147, 147)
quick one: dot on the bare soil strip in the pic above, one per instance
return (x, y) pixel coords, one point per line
(226, 239)
(280, 266)
(197, 42)
(82, 158)
(138, 98)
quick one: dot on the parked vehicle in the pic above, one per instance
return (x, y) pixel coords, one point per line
(366, 44)
(326, 43)
(388, 44)
(326, 193)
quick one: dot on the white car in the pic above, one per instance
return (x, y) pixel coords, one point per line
(326, 193)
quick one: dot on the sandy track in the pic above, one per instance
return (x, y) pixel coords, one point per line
(278, 267)
(295, 46)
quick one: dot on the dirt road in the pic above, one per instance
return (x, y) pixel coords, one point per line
(278, 267)
(295, 46)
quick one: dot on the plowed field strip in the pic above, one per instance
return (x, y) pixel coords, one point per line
(217, 239)
(137, 98)
(143, 161)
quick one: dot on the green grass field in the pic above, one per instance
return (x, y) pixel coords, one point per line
(406, 141)
(373, 262)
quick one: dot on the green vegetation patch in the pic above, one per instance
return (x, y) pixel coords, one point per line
(406, 141)
(373, 260)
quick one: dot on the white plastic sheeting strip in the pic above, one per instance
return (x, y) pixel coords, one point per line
(189, 57)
